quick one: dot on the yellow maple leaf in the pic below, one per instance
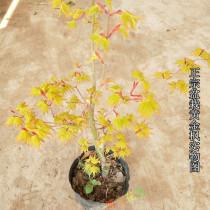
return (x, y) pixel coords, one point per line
(93, 159)
(142, 130)
(71, 24)
(146, 85)
(113, 99)
(180, 62)
(84, 144)
(23, 108)
(148, 106)
(17, 121)
(43, 105)
(121, 122)
(23, 136)
(167, 75)
(123, 32)
(182, 86)
(129, 20)
(109, 5)
(121, 144)
(94, 170)
(197, 52)
(205, 55)
(172, 85)
(137, 74)
(36, 91)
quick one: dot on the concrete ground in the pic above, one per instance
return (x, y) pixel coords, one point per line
(37, 45)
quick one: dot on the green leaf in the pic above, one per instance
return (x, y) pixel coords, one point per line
(77, 13)
(109, 3)
(115, 88)
(99, 39)
(121, 122)
(105, 44)
(71, 24)
(167, 75)
(113, 99)
(159, 74)
(93, 11)
(173, 85)
(93, 58)
(164, 75)
(123, 32)
(129, 20)
(137, 74)
(56, 3)
(182, 86)
(146, 85)
(65, 9)
(102, 120)
(95, 182)
(88, 188)
(148, 107)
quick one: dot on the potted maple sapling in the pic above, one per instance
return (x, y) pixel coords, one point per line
(100, 173)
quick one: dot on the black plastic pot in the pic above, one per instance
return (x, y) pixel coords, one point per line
(92, 205)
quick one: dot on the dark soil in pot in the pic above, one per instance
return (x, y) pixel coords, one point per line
(113, 187)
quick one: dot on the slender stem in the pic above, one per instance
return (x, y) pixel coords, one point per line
(112, 109)
(95, 137)
(91, 107)
(81, 95)
(52, 111)
(92, 52)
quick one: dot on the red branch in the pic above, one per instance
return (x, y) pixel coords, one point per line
(116, 113)
(107, 80)
(102, 8)
(99, 57)
(138, 131)
(133, 99)
(103, 35)
(117, 12)
(120, 94)
(139, 97)
(114, 30)
(51, 102)
(134, 86)
(185, 62)
(104, 131)
(201, 52)
(80, 17)
(43, 93)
